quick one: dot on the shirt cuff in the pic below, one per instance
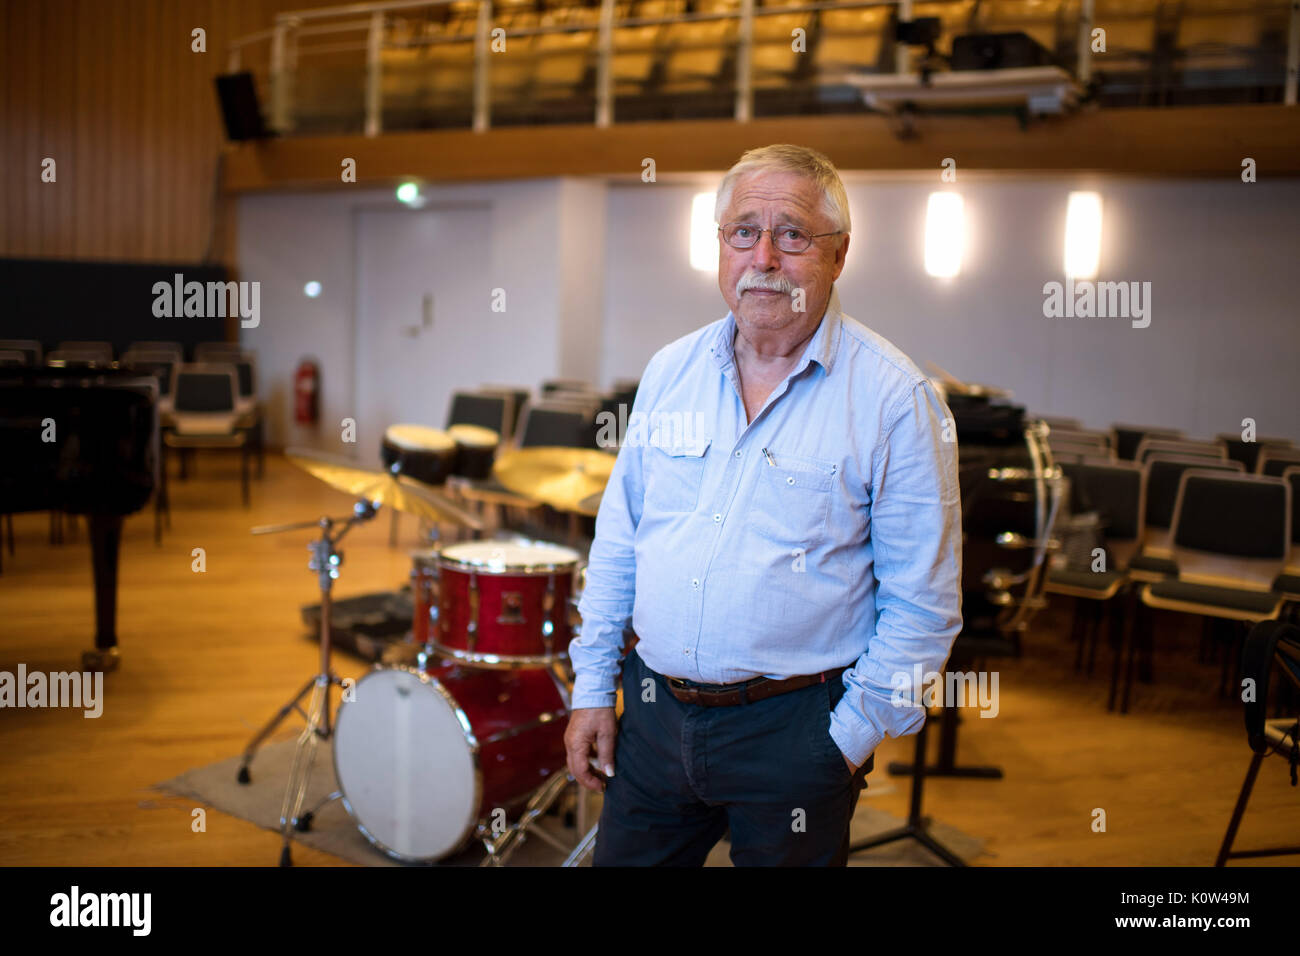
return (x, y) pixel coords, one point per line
(857, 743)
(588, 693)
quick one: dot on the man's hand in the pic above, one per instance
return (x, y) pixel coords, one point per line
(852, 768)
(590, 726)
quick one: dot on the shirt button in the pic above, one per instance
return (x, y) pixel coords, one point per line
(687, 652)
(789, 479)
(737, 452)
(695, 582)
(717, 518)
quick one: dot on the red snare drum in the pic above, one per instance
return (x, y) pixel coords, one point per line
(424, 593)
(424, 759)
(505, 604)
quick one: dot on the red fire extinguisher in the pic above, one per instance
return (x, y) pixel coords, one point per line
(306, 393)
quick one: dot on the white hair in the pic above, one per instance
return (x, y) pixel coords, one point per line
(788, 158)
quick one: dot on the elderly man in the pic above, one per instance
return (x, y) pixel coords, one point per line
(783, 571)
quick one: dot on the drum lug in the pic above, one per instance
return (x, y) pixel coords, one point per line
(472, 629)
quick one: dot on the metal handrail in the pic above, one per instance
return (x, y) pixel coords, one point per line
(291, 27)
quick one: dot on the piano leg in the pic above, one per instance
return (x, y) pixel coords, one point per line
(105, 543)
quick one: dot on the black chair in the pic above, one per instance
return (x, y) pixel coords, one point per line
(1275, 460)
(1248, 452)
(556, 427)
(1288, 582)
(1126, 438)
(104, 350)
(12, 358)
(1273, 647)
(205, 415)
(1116, 495)
(217, 351)
(75, 358)
(1164, 474)
(482, 409)
(1150, 447)
(1230, 539)
(174, 348)
(31, 349)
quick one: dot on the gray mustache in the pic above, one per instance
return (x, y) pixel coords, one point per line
(771, 284)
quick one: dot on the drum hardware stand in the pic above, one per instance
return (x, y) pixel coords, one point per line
(325, 561)
(917, 827)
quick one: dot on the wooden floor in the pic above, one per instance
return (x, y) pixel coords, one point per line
(208, 657)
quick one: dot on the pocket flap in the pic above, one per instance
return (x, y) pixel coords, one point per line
(694, 448)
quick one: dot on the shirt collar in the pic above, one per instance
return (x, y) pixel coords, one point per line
(821, 348)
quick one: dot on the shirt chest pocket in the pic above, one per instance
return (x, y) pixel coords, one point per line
(673, 476)
(792, 500)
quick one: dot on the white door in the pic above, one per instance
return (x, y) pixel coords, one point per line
(422, 292)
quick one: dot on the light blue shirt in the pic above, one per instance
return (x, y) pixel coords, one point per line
(839, 545)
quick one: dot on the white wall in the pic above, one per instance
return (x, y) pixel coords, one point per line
(287, 240)
(598, 279)
(1224, 338)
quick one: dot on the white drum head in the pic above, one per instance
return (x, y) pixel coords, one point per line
(419, 438)
(405, 766)
(474, 435)
(513, 555)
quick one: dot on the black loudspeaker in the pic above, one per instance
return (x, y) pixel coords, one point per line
(997, 51)
(239, 107)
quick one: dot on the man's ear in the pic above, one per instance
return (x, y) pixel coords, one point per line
(840, 254)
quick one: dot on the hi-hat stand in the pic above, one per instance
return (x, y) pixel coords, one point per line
(325, 561)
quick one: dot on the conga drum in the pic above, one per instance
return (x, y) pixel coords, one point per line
(476, 448)
(420, 452)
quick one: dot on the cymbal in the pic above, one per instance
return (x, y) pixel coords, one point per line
(560, 477)
(590, 505)
(399, 492)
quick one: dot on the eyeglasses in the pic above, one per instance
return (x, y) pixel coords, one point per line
(791, 239)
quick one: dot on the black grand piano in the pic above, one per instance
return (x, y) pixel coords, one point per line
(85, 442)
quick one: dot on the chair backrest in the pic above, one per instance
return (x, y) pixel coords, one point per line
(1064, 424)
(205, 387)
(173, 347)
(103, 349)
(161, 364)
(1248, 452)
(555, 427)
(1292, 477)
(1079, 436)
(1167, 446)
(1274, 460)
(30, 348)
(517, 401)
(1066, 450)
(245, 373)
(12, 358)
(1231, 529)
(1163, 477)
(1270, 646)
(1126, 438)
(482, 409)
(1117, 492)
(74, 358)
(216, 351)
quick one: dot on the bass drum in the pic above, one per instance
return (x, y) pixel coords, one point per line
(423, 759)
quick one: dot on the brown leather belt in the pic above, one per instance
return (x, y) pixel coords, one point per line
(747, 692)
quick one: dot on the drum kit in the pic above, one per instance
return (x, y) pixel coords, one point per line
(462, 739)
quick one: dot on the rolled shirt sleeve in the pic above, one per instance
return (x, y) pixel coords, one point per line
(607, 601)
(915, 534)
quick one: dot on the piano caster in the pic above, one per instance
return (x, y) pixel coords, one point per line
(244, 775)
(97, 660)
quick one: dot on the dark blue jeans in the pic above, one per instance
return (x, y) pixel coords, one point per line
(685, 774)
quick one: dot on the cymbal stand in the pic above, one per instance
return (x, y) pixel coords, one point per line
(325, 561)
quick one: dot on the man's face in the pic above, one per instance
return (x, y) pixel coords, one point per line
(770, 200)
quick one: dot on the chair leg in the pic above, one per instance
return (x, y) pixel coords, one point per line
(9, 519)
(243, 472)
(1142, 624)
(1239, 810)
(1094, 633)
(1125, 637)
(1076, 634)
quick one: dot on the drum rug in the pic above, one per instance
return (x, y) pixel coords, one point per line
(334, 832)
